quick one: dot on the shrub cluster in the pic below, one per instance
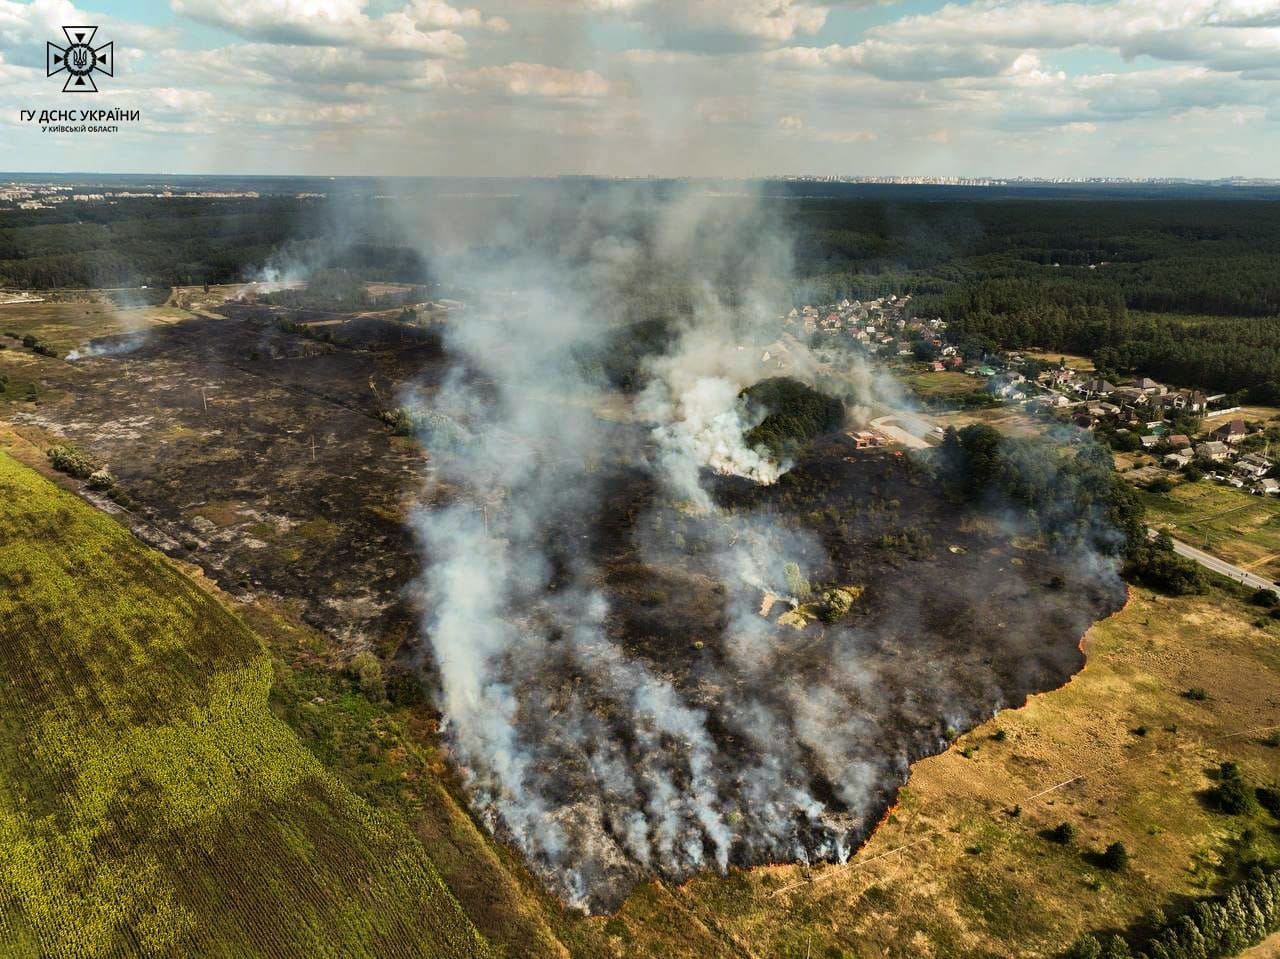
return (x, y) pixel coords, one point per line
(1213, 929)
(73, 461)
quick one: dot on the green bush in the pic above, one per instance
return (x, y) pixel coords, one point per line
(1232, 794)
(1115, 857)
(1266, 598)
(1062, 834)
(368, 669)
(72, 461)
(1269, 799)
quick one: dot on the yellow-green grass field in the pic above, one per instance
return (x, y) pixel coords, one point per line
(1236, 525)
(944, 384)
(1009, 420)
(1249, 413)
(150, 802)
(66, 325)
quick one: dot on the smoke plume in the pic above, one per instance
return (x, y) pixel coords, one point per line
(602, 744)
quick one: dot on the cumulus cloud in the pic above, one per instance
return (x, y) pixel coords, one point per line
(422, 28)
(537, 80)
(697, 86)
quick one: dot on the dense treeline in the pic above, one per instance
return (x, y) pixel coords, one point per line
(1214, 352)
(168, 242)
(795, 414)
(1183, 287)
(1193, 255)
(1212, 929)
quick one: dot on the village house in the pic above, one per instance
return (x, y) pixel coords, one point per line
(1096, 387)
(1179, 441)
(1267, 487)
(1193, 401)
(1178, 460)
(1054, 401)
(1253, 466)
(1232, 432)
(1214, 451)
(1147, 385)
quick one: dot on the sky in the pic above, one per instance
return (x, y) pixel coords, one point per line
(1040, 88)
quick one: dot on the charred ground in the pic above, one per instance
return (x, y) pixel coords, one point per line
(257, 448)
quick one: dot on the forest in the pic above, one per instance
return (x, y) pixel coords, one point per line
(1181, 289)
(1182, 286)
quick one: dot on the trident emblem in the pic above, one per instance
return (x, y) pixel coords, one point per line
(79, 59)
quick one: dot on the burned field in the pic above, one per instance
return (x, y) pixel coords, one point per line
(631, 683)
(672, 707)
(258, 453)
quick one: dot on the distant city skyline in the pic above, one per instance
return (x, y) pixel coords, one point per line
(990, 89)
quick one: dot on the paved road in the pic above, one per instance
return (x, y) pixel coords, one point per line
(1221, 566)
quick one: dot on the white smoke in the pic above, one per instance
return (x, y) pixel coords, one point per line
(601, 759)
(110, 346)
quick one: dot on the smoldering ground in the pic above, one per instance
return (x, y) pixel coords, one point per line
(630, 617)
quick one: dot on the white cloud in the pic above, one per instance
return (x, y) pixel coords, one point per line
(536, 80)
(759, 21)
(422, 28)
(437, 13)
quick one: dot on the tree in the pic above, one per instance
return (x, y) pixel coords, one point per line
(1086, 947)
(368, 670)
(797, 585)
(1062, 834)
(1115, 857)
(1232, 794)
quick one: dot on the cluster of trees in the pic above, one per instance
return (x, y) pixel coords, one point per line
(618, 359)
(1212, 929)
(1153, 563)
(795, 414)
(1069, 495)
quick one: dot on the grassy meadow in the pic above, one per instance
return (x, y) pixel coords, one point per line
(150, 801)
(1229, 523)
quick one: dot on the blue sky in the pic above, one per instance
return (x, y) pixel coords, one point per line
(664, 87)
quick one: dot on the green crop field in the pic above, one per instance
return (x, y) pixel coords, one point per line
(150, 803)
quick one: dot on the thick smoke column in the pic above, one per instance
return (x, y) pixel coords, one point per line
(603, 762)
